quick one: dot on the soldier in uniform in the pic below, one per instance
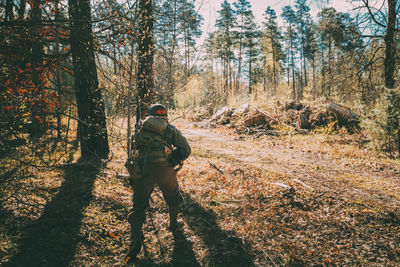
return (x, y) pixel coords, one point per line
(158, 147)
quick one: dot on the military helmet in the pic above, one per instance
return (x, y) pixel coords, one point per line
(157, 110)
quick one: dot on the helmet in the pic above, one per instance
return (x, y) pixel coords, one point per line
(157, 110)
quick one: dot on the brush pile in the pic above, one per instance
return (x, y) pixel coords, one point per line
(293, 115)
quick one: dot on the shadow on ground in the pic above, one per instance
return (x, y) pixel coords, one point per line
(183, 254)
(51, 240)
(225, 248)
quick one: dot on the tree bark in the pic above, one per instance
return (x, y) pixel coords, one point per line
(9, 15)
(390, 43)
(37, 54)
(21, 9)
(92, 130)
(293, 75)
(145, 52)
(274, 67)
(389, 63)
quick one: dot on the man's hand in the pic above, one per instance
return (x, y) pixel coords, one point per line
(179, 167)
(133, 169)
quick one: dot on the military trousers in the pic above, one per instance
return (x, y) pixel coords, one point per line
(163, 175)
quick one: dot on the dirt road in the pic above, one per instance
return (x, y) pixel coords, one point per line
(325, 163)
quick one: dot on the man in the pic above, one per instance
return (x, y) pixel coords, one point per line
(158, 147)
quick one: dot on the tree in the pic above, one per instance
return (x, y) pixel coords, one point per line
(288, 15)
(92, 131)
(303, 21)
(225, 24)
(242, 9)
(330, 28)
(251, 35)
(272, 33)
(145, 55)
(190, 23)
(341, 38)
(387, 20)
(393, 96)
(26, 100)
(177, 25)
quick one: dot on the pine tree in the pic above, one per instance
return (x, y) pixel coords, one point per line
(225, 25)
(273, 34)
(145, 55)
(92, 130)
(251, 45)
(288, 15)
(303, 22)
(177, 25)
(191, 27)
(242, 9)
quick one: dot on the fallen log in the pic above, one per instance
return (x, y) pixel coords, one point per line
(303, 119)
(344, 116)
(257, 118)
(295, 105)
(343, 112)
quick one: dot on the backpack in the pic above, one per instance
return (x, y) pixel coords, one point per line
(150, 131)
(150, 141)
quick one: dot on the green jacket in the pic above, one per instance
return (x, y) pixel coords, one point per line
(157, 140)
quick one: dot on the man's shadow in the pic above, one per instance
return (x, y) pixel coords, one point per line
(51, 240)
(225, 248)
(183, 254)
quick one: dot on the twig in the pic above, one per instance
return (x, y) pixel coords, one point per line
(303, 184)
(215, 167)
(269, 257)
(282, 185)
(175, 118)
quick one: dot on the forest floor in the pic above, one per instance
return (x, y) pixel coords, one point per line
(295, 200)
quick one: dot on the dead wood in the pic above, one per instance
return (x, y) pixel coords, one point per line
(303, 184)
(295, 105)
(215, 167)
(344, 115)
(257, 118)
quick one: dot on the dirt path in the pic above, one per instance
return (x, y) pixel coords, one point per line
(343, 170)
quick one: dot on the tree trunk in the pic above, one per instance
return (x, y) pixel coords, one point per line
(293, 72)
(58, 69)
(9, 15)
(389, 63)
(37, 54)
(145, 52)
(274, 67)
(21, 9)
(238, 89)
(92, 131)
(265, 74)
(250, 78)
(304, 66)
(390, 43)
(329, 65)
(314, 83)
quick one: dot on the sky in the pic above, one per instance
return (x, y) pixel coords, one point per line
(209, 10)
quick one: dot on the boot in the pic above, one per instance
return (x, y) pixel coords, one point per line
(174, 225)
(134, 250)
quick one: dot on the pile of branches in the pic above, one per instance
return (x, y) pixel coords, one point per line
(302, 118)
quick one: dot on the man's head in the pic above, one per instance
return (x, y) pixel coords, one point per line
(157, 110)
